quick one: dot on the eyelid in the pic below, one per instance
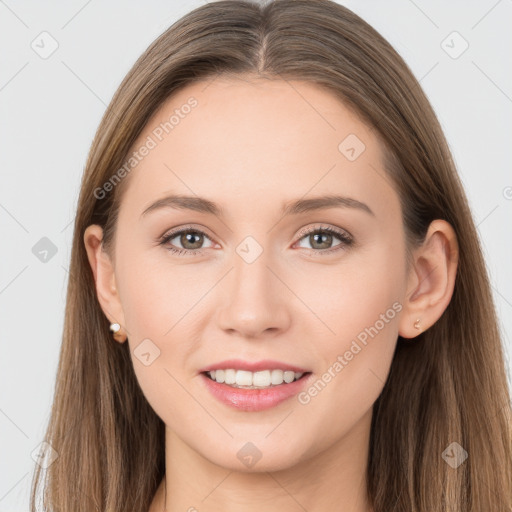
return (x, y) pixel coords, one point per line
(187, 227)
(334, 230)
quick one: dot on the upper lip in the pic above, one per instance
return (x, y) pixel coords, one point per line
(252, 366)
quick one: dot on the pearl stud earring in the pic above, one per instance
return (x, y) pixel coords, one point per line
(118, 335)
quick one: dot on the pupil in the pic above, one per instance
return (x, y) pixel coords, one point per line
(188, 237)
(320, 235)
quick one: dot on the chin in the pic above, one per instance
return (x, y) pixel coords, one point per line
(258, 456)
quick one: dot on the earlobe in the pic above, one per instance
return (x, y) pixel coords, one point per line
(104, 276)
(431, 280)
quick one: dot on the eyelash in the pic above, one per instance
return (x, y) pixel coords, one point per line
(345, 239)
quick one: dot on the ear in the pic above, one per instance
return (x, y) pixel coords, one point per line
(104, 277)
(431, 279)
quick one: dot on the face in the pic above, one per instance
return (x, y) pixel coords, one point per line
(257, 284)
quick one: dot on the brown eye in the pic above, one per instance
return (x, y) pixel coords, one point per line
(190, 240)
(321, 239)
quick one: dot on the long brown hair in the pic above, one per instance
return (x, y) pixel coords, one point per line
(447, 386)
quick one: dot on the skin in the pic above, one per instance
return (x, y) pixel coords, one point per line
(251, 145)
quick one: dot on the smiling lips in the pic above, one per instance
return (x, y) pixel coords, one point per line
(257, 374)
(253, 386)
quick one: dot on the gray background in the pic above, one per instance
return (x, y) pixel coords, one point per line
(51, 107)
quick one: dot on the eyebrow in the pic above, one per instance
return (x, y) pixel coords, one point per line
(202, 205)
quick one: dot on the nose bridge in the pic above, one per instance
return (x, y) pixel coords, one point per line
(256, 300)
(251, 273)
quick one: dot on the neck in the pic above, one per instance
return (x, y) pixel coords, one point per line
(332, 480)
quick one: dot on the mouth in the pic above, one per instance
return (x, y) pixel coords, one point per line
(255, 386)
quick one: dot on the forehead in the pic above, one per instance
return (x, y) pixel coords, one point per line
(232, 139)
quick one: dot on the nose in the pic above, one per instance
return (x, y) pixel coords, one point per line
(255, 300)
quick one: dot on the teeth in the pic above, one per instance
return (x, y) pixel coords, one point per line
(254, 380)
(277, 377)
(261, 379)
(230, 376)
(243, 378)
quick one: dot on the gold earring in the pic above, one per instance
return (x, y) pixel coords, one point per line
(118, 335)
(417, 324)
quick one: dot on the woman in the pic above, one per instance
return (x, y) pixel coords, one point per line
(277, 296)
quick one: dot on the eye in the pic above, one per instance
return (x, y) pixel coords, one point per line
(190, 239)
(321, 239)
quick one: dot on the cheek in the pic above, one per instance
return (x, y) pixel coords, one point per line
(155, 313)
(351, 295)
(156, 295)
(161, 304)
(360, 304)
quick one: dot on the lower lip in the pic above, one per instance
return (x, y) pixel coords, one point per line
(254, 399)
